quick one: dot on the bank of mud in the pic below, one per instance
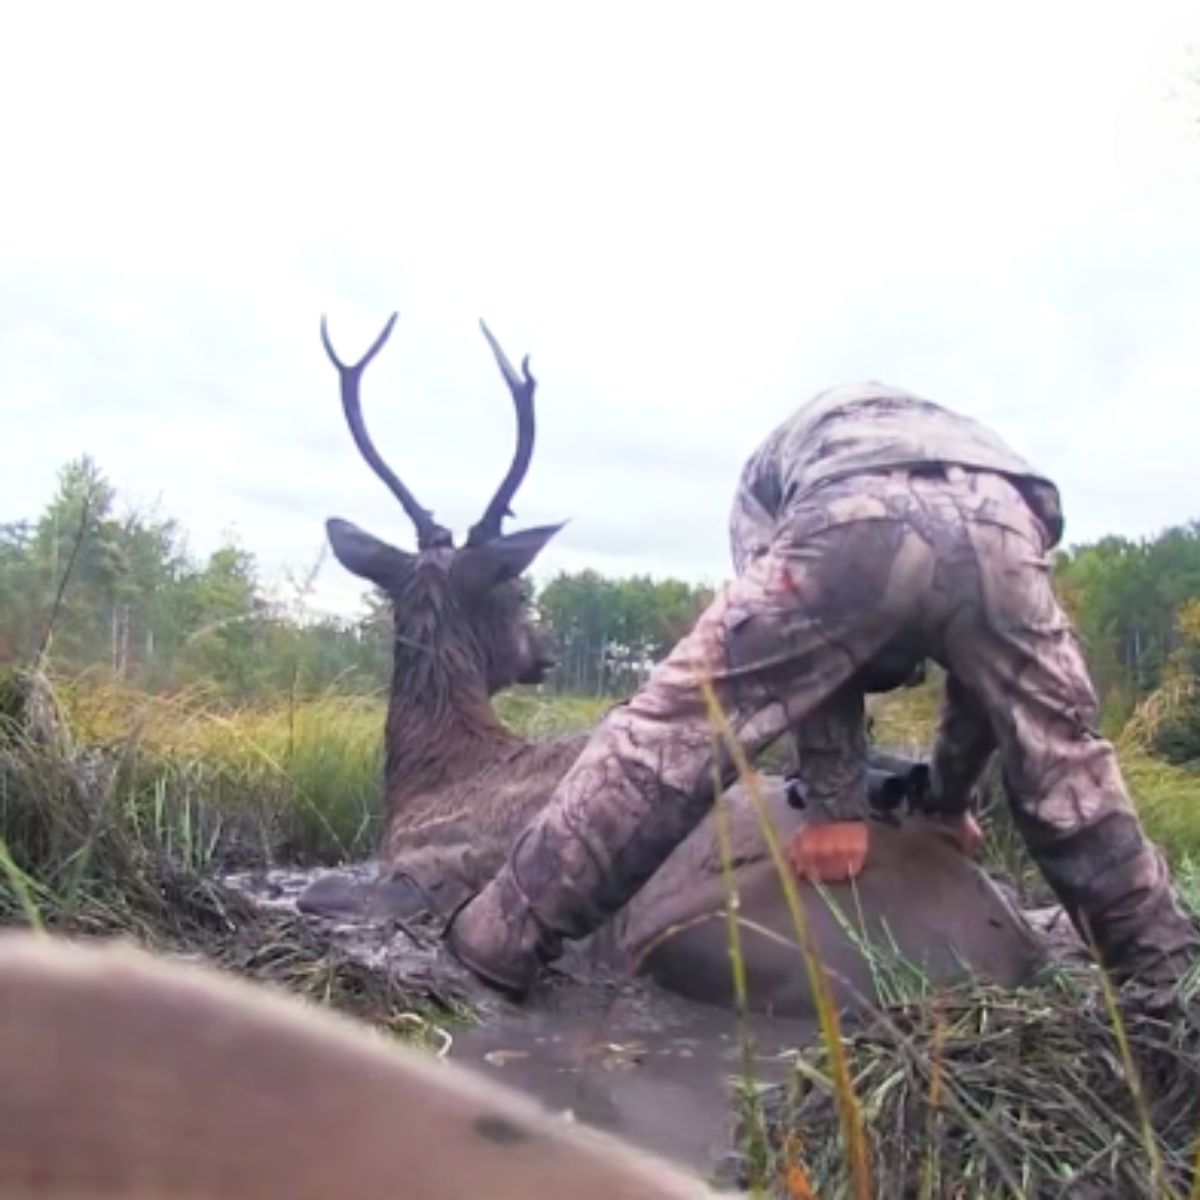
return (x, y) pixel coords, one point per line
(619, 1054)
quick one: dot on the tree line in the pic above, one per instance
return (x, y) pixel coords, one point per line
(93, 589)
(96, 589)
(1135, 605)
(137, 605)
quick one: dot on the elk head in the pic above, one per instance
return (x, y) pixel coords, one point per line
(467, 601)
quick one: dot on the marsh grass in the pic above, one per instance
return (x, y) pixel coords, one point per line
(1062, 1089)
(544, 715)
(1007, 1093)
(1059, 1089)
(113, 801)
(117, 811)
(295, 781)
(849, 1117)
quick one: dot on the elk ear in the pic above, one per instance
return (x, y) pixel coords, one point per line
(478, 568)
(364, 554)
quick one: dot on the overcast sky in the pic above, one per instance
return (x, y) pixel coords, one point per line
(692, 216)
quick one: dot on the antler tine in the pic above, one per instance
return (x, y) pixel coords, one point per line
(522, 387)
(429, 532)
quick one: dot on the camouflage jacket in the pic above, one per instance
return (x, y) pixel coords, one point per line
(867, 427)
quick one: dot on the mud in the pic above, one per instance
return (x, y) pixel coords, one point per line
(623, 1055)
(657, 1070)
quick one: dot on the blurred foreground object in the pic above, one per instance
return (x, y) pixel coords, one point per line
(128, 1076)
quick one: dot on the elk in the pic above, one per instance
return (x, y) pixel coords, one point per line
(459, 785)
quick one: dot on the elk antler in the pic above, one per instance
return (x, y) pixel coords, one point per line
(429, 532)
(488, 526)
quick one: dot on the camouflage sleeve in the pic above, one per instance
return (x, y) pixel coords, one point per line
(831, 757)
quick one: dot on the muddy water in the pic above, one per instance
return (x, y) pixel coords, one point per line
(655, 1069)
(622, 1055)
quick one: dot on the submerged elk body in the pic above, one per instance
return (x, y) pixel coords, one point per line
(460, 785)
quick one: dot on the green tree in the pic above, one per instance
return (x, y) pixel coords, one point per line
(75, 536)
(224, 612)
(610, 631)
(1125, 598)
(20, 593)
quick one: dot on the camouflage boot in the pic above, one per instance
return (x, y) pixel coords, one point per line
(497, 936)
(1116, 887)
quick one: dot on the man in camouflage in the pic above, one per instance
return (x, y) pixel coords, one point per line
(871, 530)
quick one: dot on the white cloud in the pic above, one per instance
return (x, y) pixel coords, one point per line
(693, 216)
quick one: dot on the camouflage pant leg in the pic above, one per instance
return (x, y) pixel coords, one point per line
(775, 644)
(964, 743)
(1015, 654)
(831, 757)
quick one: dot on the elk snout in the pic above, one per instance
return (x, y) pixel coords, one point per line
(541, 659)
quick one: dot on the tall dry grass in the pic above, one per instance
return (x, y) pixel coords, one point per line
(296, 780)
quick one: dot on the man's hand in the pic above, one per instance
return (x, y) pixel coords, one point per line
(837, 851)
(830, 853)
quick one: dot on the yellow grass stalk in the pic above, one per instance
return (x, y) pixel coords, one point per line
(849, 1111)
